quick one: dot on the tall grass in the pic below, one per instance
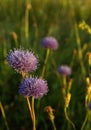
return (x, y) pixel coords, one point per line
(45, 18)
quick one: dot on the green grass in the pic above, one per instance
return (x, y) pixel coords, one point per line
(48, 18)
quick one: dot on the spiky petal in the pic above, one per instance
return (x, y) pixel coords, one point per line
(36, 87)
(22, 60)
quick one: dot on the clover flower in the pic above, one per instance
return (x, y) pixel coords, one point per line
(22, 60)
(36, 87)
(50, 42)
(64, 70)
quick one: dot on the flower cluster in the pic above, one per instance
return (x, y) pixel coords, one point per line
(64, 70)
(50, 42)
(33, 87)
(22, 60)
(25, 61)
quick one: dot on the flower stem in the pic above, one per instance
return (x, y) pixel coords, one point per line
(53, 124)
(68, 119)
(85, 120)
(64, 86)
(45, 62)
(79, 50)
(23, 74)
(43, 70)
(27, 21)
(3, 114)
(30, 109)
(34, 120)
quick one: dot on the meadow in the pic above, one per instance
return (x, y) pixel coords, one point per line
(23, 24)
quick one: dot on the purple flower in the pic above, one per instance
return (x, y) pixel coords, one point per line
(89, 106)
(36, 87)
(50, 42)
(22, 60)
(64, 70)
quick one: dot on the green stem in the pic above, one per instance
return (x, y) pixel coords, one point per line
(64, 85)
(64, 81)
(43, 70)
(34, 120)
(27, 22)
(26, 25)
(85, 120)
(68, 119)
(45, 62)
(53, 124)
(79, 50)
(4, 116)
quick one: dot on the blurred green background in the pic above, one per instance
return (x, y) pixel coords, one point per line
(23, 23)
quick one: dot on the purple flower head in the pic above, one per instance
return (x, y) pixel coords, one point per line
(64, 70)
(50, 42)
(89, 106)
(22, 61)
(36, 87)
